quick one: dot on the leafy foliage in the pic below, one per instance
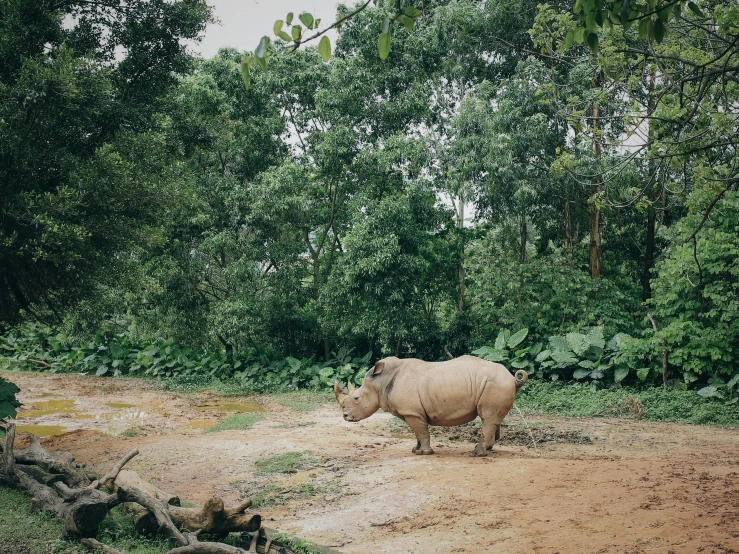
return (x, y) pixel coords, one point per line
(8, 402)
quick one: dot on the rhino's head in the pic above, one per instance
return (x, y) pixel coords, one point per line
(361, 403)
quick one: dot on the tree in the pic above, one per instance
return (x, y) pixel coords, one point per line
(81, 175)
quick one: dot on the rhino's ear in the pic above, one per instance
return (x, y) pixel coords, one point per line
(379, 366)
(339, 392)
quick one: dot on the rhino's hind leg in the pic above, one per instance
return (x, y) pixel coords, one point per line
(489, 432)
(421, 429)
(491, 417)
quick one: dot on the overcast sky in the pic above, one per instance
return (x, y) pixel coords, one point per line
(244, 22)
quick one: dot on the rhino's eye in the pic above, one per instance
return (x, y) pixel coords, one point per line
(356, 397)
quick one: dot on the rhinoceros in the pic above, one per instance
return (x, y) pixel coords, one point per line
(436, 393)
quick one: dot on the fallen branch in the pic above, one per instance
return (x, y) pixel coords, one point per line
(62, 487)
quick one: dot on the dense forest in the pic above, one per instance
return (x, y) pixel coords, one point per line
(502, 184)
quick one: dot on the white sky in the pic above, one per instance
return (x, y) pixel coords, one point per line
(244, 22)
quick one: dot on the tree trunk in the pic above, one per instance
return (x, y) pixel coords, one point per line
(460, 260)
(524, 233)
(595, 190)
(652, 196)
(569, 237)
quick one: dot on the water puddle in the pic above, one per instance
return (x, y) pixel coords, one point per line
(203, 424)
(42, 431)
(49, 407)
(230, 407)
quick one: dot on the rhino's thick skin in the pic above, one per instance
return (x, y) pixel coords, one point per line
(436, 393)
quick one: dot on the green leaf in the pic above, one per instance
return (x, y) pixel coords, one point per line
(501, 340)
(543, 355)
(642, 373)
(695, 9)
(289, 18)
(383, 45)
(577, 342)
(643, 28)
(579, 35)
(659, 30)
(536, 348)
(664, 14)
(408, 22)
(620, 374)
(496, 355)
(733, 381)
(519, 364)
(386, 25)
(278, 26)
(592, 41)
(710, 392)
(324, 48)
(569, 38)
(590, 24)
(297, 32)
(581, 373)
(517, 338)
(284, 36)
(261, 51)
(307, 19)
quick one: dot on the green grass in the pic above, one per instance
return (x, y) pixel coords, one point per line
(289, 462)
(239, 422)
(130, 433)
(274, 495)
(651, 404)
(300, 402)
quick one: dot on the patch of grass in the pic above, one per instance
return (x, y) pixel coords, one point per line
(294, 425)
(239, 422)
(274, 495)
(188, 384)
(652, 404)
(290, 462)
(301, 402)
(130, 433)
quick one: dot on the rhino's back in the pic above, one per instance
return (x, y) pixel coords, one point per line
(448, 393)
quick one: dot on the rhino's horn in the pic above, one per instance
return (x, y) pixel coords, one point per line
(339, 392)
(350, 387)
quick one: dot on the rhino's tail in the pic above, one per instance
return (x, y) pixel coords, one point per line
(521, 378)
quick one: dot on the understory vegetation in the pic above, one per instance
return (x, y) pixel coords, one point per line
(548, 186)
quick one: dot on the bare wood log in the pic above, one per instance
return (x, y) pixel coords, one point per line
(158, 509)
(61, 463)
(97, 545)
(42, 496)
(128, 478)
(108, 479)
(208, 548)
(41, 476)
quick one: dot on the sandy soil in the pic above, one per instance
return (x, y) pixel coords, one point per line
(595, 485)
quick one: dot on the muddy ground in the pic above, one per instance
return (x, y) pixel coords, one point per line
(589, 485)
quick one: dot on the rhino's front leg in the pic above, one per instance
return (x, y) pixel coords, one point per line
(421, 429)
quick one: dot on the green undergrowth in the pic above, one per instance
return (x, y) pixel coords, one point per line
(238, 422)
(651, 404)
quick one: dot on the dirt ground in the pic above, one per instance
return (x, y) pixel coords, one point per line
(589, 485)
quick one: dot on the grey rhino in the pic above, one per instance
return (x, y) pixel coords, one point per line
(436, 393)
